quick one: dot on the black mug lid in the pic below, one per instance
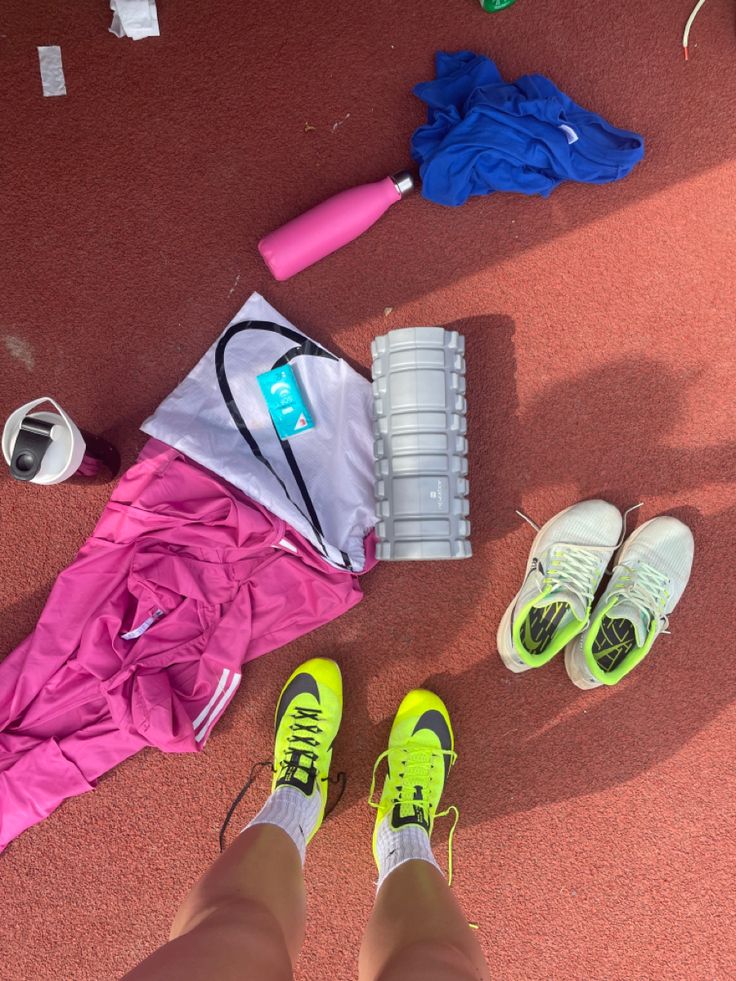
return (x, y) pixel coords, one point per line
(31, 444)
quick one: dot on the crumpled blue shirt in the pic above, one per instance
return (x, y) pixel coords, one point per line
(485, 135)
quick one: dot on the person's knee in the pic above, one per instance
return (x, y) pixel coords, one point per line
(430, 960)
(226, 914)
(246, 929)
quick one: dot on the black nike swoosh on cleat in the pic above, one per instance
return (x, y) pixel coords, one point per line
(435, 722)
(300, 684)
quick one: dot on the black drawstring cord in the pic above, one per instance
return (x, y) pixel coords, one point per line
(341, 778)
(241, 795)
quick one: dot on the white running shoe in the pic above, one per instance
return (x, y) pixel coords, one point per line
(651, 573)
(566, 564)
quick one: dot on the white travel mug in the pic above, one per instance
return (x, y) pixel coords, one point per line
(44, 446)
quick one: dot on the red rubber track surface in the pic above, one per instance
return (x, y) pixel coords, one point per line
(596, 833)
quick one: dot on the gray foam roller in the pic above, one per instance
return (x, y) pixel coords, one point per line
(420, 447)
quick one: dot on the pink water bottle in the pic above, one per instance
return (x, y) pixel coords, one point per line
(330, 225)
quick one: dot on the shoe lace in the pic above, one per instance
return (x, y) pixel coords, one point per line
(305, 729)
(574, 566)
(341, 778)
(647, 589)
(418, 766)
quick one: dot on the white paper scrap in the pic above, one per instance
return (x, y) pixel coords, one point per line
(52, 74)
(134, 18)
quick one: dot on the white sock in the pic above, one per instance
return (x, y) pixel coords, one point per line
(294, 812)
(396, 847)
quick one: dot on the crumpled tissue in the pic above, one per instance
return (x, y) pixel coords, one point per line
(134, 19)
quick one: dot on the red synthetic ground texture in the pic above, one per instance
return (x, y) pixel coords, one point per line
(596, 836)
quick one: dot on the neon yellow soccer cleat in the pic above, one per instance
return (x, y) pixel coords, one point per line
(421, 750)
(308, 718)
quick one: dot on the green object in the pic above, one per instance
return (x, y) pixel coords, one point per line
(420, 754)
(308, 716)
(492, 5)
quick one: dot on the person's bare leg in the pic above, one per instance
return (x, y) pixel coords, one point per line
(417, 931)
(243, 920)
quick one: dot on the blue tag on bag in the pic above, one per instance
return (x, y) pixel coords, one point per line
(285, 402)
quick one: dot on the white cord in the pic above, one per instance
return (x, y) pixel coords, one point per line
(528, 520)
(691, 18)
(618, 544)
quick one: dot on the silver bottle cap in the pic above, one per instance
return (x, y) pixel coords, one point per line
(404, 182)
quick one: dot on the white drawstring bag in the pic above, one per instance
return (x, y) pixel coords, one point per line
(320, 481)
